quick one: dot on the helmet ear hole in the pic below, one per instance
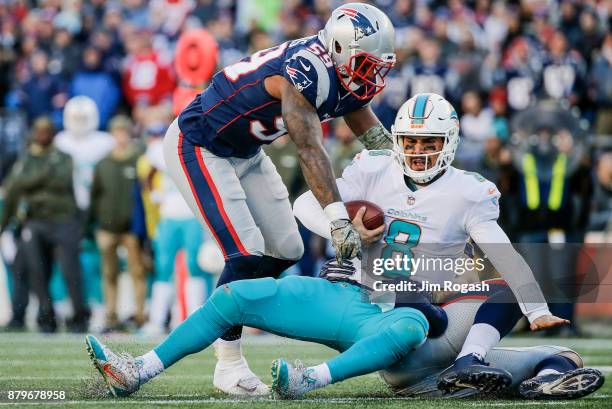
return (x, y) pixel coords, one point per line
(337, 47)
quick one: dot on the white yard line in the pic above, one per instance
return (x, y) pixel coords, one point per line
(319, 400)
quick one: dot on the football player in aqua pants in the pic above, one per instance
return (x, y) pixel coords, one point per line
(369, 340)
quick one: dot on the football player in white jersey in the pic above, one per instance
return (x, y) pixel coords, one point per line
(368, 337)
(432, 209)
(87, 145)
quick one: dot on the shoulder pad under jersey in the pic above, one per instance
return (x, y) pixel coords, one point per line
(476, 187)
(310, 70)
(373, 161)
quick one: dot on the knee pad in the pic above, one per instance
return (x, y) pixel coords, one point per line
(406, 334)
(239, 268)
(291, 247)
(222, 299)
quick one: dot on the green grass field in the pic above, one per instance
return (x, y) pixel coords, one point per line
(34, 362)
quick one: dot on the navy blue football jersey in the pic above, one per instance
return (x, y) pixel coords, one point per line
(235, 115)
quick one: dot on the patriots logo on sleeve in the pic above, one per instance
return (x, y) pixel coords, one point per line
(299, 79)
(363, 26)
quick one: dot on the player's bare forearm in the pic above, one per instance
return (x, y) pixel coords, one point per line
(361, 120)
(370, 132)
(304, 128)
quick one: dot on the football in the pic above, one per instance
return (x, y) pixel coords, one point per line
(373, 216)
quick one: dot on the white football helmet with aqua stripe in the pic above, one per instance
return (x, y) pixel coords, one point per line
(426, 115)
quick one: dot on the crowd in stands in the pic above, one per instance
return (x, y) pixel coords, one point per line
(75, 193)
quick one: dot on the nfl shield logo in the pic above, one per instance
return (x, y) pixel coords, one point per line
(410, 200)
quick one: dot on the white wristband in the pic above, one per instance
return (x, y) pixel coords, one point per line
(335, 211)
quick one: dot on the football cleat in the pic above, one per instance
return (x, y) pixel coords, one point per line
(290, 382)
(236, 378)
(471, 371)
(120, 372)
(569, 385)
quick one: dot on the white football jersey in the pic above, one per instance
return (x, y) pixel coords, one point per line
(441, 213)
(86, 152)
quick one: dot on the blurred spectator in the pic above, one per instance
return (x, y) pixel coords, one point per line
(402, 13)
(93, 81)
(112, 51)
(569, 23)
(601, 215)
(230, 50)
(551, 196)
(206, 11)
(64, 56)
(111, 213)
(13, 254)
(136, 12)
(41, 93)
(564, 71)
(590, 35)
(82, 140)
(69, 17)
(601, 87)
(541, 206)
(43, 181)
(8, 56)
(476, 128)
(87, 146)
(11, 223)
(13, 131)
(168, 16)
(343, 148)
(429, 73)
(521, 68)
(496, 25)
(440, 33)
(466, 68)
(499, 105)
(147, 77)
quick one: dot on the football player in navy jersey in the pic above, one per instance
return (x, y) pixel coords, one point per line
(213, 151)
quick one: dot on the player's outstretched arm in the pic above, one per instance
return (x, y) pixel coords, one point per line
(370, 132)
(309, 212)
(304, 128)
(516, 272)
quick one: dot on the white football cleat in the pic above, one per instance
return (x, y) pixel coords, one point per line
(236, 378)
(120, 372)
(291, 381)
